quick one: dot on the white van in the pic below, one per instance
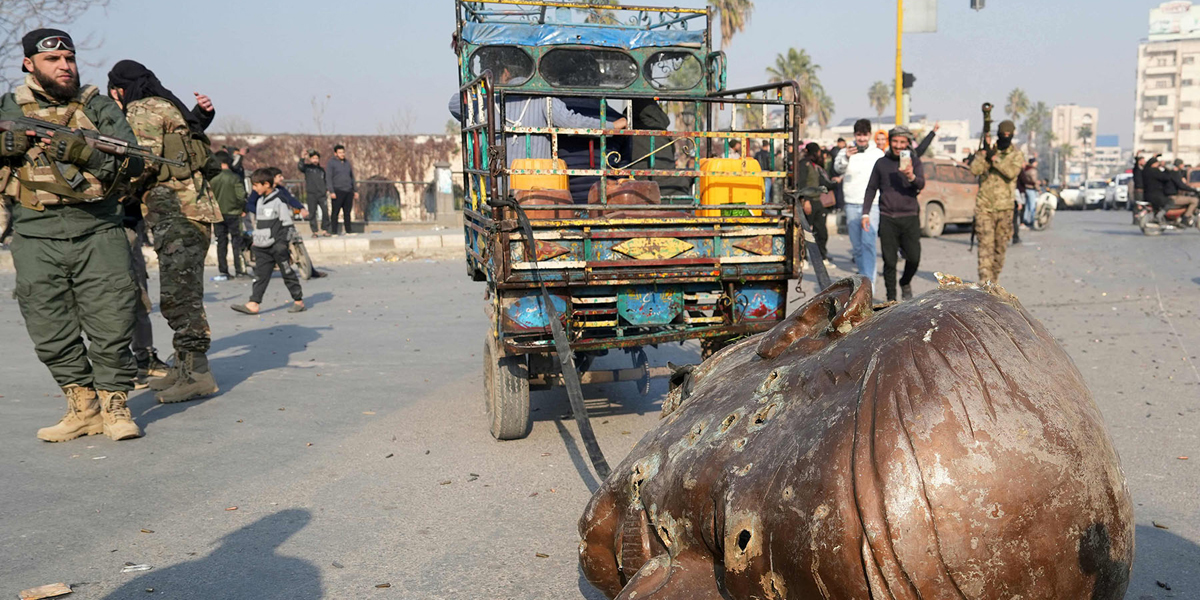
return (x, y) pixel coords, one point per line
(1117, 194)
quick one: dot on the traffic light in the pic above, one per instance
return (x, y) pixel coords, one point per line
(908, 80)
(977, 4)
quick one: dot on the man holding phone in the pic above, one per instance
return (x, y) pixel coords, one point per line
(854, 166)
(898, 178)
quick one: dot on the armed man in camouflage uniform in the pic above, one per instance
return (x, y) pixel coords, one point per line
(180, 209)
(69, 249)
(998, 167)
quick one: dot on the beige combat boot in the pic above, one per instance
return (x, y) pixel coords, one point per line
(82, 418)
(168, 380)
(118, 422)
(193, 380)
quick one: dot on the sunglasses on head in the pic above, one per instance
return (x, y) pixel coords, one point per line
(56, 42)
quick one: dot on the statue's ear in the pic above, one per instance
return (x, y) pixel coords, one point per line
(829, 315)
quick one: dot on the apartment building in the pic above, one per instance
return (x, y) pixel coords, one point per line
(1167, 118)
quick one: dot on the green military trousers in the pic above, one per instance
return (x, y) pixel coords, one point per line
(75, 287)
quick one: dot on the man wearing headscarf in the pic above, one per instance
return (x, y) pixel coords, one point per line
(998, 167)
(69, 248)
(180, 209)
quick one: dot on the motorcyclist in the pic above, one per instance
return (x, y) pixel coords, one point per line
(1185, 195)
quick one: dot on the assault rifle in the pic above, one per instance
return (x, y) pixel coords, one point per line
(102, 143)
(983, 145)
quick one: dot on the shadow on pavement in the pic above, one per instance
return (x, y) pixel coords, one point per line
(261, 350)
(582, 464)
(1164, 557)
(244, 565)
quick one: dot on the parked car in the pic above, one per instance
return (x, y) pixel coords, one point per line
(1070, 198)
(1093, 194)
(948, 197)
(1117, 193)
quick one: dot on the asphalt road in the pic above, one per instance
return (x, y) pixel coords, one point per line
(351, 438)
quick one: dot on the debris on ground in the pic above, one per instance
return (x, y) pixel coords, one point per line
(540, 555)
(1159, 525)
(383, 585)
(45, 591)
(132, 568)
(147, 531)
(338, 565)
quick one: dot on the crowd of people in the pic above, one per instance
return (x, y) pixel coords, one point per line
(79, 214)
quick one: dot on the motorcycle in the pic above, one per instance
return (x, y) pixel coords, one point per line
(1154, 222)
(1047, 205)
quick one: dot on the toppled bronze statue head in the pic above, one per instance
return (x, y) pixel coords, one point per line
(945, 447)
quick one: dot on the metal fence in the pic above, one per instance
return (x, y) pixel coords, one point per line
(380, 200)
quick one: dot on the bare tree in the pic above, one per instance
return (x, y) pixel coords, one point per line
(318, 112)
(20, 16)
(401, 122)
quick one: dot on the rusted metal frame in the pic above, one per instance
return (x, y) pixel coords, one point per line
(773, 133)
(577, 277)
(665, 262)
(511, 225)
(649, 173)
(650, 339)
(630, 8)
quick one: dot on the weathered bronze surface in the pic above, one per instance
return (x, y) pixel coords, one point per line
(943, 448)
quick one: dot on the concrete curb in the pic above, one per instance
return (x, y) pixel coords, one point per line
(344, 250)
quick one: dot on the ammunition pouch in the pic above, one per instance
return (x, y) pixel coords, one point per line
(194, 150)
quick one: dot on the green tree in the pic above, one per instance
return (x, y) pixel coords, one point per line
(1085, 134)
(1037, 127)
(452, 127)
(797, 65)
(880, 96)
(733, 16)
(1018, 104)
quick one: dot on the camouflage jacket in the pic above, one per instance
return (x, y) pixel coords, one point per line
(151, 119)
(997, 180)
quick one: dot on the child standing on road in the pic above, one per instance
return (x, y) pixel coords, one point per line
(273, 228)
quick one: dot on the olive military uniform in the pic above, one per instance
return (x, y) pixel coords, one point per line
(70, 253)
(994, 207)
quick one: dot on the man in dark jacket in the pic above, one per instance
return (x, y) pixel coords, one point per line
(230, 193)
(339, 177)
(899, 211)
(1184, 195)
(317, 192)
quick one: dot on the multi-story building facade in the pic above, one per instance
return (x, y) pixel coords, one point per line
(1167, 118)
(1067, 122)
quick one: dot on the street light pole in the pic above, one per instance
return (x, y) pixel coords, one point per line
(901, 113)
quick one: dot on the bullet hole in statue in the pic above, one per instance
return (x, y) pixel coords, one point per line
(728, 422)
(743, 539)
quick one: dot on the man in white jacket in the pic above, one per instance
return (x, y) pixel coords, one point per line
(855, 164)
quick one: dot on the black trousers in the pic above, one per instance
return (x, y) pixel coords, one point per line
(896, 233)
(342, 201)
(820, 231)
(265, 261)
(230, 228)
(319, 201)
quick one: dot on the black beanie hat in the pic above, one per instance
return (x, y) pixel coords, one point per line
(30, 42)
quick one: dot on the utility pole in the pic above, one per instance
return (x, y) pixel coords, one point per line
(901, 112)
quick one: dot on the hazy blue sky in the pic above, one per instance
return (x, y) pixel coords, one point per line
(388, 61)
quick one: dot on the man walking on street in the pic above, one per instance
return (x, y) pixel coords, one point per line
(1027, 186)
(898, 177)
(340, 177)
(230, 194)
(854, 165)
(998, 167)
(69, 247)
(317, 193)
(180, 210)
(1139, 190)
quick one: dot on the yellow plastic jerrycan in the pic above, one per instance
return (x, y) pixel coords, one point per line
(730, 189)
(538, 182)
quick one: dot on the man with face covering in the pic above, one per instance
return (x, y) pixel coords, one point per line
(69, 247)
(180, 209)
(998, 167)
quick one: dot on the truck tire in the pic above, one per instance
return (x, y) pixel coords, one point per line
(506, 392)
(935, 220)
